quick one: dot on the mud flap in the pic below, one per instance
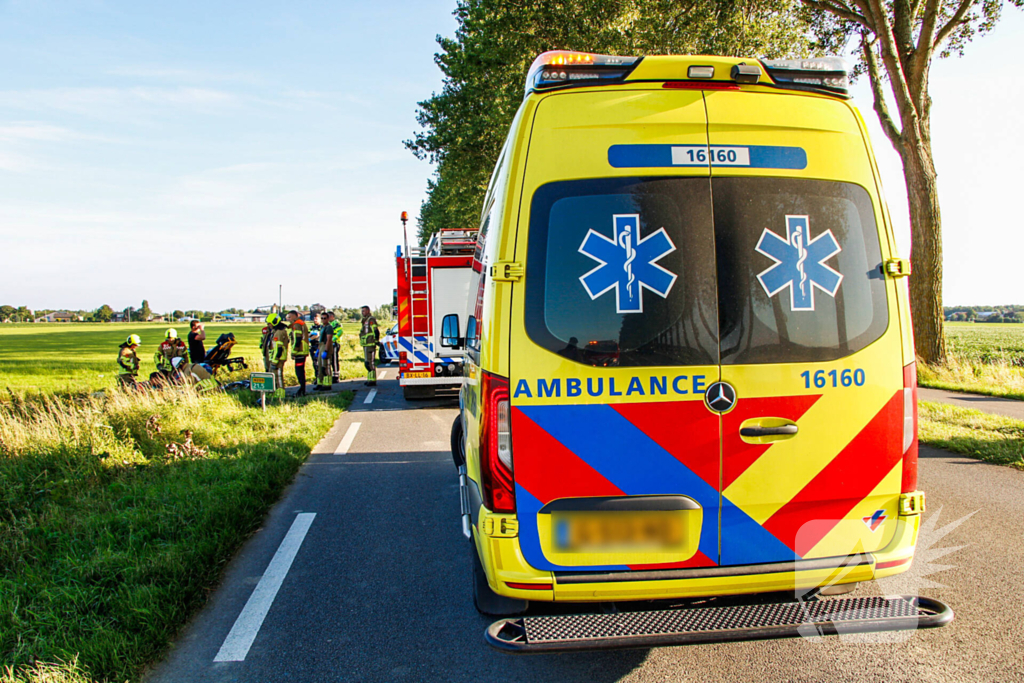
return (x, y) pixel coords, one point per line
(691, 625)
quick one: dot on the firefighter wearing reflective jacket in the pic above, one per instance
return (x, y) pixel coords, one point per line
(298, 339)
(170, 348)
(128, 362)
(369, 337)
(325, 351)
(278, 354)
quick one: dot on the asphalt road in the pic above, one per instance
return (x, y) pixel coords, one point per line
(379, 589)
(1008, 407)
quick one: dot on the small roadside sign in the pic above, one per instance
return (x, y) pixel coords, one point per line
(263, 382)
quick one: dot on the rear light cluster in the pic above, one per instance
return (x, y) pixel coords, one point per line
(909, 428)
(403, 360)
(496, 445)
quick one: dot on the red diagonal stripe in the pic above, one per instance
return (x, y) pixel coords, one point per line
(549, 470)
(686, 429)
(738, 455)
(844, 482)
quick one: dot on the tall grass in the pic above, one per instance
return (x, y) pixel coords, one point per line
(965, 373)
(118, 513)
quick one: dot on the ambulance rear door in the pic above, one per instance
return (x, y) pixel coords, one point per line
(614, 335)
(810, 346)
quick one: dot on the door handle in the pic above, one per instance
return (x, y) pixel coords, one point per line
(782, 430)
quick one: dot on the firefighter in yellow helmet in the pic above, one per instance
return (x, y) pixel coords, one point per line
(278, 354)
(369, 337)
(170, 348)
(128, 362)
(298, 336)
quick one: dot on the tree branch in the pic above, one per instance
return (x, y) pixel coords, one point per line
(840, 9)
(958, 17)
(923, 53)
(891, 60)
(878, 93)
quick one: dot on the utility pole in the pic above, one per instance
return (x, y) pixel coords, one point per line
(280, 301)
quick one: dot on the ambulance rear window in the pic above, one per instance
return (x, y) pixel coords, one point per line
(799, 270)
(621, 271)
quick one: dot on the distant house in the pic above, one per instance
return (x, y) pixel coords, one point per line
(58, 317)
(118, 318)
(982, 315)
(157, 319)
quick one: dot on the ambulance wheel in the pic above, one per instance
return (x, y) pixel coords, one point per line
(487, 601)
(417, 393)
(458, 442)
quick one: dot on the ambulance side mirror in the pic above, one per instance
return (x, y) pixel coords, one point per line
(450, 332)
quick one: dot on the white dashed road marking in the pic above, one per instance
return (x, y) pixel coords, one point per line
(346, 441)
(370, 396)
(247, 625)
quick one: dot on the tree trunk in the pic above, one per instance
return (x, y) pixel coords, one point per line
(926, 251)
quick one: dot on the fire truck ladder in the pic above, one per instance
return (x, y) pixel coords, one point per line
(419, 297)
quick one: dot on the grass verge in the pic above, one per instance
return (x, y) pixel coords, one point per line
(993, 438)
(960, 374)
(114, 523)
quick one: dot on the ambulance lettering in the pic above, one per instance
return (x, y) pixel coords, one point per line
(599, 386)
(627, 263)
(799, 263)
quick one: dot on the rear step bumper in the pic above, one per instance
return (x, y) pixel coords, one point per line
(684, 626)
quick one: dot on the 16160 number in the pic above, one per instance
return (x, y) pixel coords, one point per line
(821, 379)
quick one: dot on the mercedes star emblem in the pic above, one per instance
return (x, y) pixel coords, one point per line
(720, 397)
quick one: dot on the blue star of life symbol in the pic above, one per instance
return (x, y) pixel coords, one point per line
(627, 263)
(799, 263)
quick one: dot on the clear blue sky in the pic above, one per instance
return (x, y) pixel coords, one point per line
(200, 154)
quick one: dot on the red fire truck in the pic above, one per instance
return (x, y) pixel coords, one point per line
(433, 302)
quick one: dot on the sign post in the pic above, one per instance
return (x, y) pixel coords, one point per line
(263, 382)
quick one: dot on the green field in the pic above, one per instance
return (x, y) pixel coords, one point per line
(987, 343)
(80, 357)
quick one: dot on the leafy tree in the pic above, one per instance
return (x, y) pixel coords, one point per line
(103, 313)
(7, 311)
(144, 311)
(485, 65)
(24, 314)
(178, 314)
(897, 41)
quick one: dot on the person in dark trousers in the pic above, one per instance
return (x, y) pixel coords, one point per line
(196, 337)
(298, 337)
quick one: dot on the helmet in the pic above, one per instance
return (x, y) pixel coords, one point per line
(273, 319)
(176, 362)
(134, 339)
(172, 333)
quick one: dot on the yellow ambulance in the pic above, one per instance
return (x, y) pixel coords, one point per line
(690, 360)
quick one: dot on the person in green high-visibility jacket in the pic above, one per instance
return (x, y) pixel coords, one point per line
(337, 332)
(278, 354)
(325, 352)
(369, 337)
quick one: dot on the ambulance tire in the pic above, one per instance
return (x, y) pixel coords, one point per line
(458, 442)
(417, 393)
(487, 601)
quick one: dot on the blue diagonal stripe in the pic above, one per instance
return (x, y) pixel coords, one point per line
(628, 458)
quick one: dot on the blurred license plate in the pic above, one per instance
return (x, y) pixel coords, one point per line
(419, 374)
(605, 531)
